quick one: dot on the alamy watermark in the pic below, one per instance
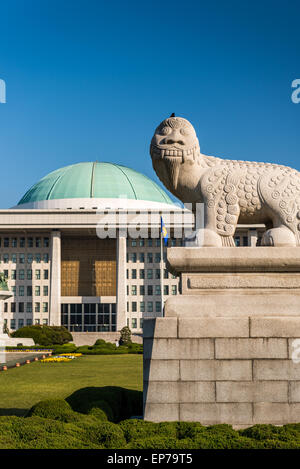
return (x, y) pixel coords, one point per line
(295, 97)
(2, 91)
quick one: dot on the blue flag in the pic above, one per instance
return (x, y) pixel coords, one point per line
(164, 231)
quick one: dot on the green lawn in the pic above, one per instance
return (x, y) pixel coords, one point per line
(20, 388)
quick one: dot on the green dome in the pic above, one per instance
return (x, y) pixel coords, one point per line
(95, 180)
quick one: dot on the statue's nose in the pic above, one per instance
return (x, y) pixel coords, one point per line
(173, 138)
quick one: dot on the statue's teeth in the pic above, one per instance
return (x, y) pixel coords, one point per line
(162, 153)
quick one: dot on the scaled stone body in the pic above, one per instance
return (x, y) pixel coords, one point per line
(232, 191)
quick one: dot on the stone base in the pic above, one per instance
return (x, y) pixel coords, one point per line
(227, 350)
(222, 370)
(6, 341)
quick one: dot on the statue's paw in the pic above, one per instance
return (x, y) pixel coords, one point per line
(205, 238)
(279, 237)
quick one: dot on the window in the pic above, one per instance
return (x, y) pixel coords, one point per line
(149, 257)
(20, 323)
(28, 322)
(237, 241)
(28, 307)
(142, 290)
(157, 289)
(37, 307)
(38, 274)
(157, 273)
(37, 258)
(157, 242)
(149, 306)
(45, 307)
(5, 307)
(22, 242)
(142, 273)
(13, 289)
(22, 258)
(133, 257)
(142, 243)
(21, 290)
(21, 274)
(13, 274)
(245, 240)
(6, 242)
(37, 290)
(14, 258)
(46, 258)
(150, 243)
(29, 290)
(5, 273)
(142, 257)
(149, 273)
(13, 307)
(174, 289)
(46, 242)
(133, 274)
(12, 323)
(5, 258)
(127, 290)
(46, 274)
(14, 243)
(157, 257)
(127, 274)
(133, 290)
(173, 276)
(133, 243)
(166, 289)
(141, 323)
(29, 258)
(21, 307)
(29, 274)
(37, 242)
(173, 242)
(157, 306)
(30, 242)
(37, 322)
(142, 306)
(133, 307)
(45, 322)
(150, 290)
(134, 323)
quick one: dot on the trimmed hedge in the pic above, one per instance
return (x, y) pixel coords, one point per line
(44, 335)
(81, 423)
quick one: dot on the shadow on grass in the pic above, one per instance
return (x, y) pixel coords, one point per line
(12, 411)
(123, 402)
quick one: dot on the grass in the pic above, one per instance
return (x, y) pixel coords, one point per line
(21, 388)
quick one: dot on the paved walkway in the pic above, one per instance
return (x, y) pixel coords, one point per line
(11, 358)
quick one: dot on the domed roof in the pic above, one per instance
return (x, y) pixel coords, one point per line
(94, 180)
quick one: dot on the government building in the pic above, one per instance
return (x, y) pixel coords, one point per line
(82, 249)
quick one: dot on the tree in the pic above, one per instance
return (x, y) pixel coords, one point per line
(125, 338)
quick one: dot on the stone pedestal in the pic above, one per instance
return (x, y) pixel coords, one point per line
(227, 350)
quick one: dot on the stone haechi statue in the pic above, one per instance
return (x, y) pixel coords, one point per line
(232, 191)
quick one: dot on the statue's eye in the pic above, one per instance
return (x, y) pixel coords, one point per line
(184, 131)
(165, 130)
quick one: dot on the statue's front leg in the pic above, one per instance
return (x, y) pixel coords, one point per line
(205, 234)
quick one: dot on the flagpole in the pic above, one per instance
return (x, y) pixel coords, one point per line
(161, 273)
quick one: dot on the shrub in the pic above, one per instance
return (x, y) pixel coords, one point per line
(55, 409)
(99, 342)
(107, 434)
(101, 410)
(45, 335)
(125, 338)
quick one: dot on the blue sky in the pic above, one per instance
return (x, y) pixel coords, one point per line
(90, 80)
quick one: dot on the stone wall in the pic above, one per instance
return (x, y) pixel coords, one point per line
(235, 370)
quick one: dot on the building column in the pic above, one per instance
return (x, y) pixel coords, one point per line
(55, 280)
(121, 280)
(252, 237)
